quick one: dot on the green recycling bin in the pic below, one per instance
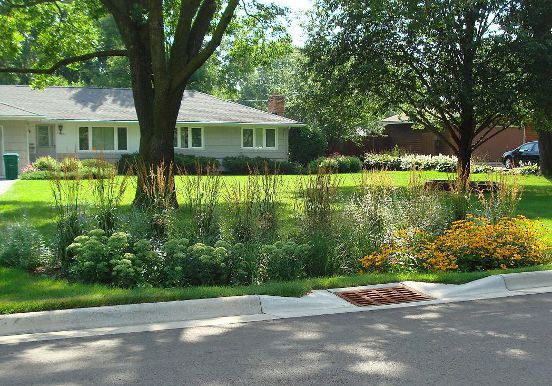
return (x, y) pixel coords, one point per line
(11, 165)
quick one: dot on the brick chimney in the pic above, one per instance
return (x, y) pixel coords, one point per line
(276, 104)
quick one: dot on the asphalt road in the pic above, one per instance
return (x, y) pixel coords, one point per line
(492, 342)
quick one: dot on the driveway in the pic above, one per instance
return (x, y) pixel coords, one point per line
(505, 341)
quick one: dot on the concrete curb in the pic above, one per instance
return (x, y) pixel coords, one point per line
(128, 315)
(48, 325)
(527, 280)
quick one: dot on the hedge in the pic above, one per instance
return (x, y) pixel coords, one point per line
(337, 164)
(245, 165)
(184, 163)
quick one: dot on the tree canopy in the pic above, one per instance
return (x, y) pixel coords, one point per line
(445, 63)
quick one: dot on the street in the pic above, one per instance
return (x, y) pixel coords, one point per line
(505, 341)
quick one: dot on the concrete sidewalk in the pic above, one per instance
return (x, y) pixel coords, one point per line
(51, 325)
(5, 185)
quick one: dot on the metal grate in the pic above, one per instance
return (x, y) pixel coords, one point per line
(383, 296)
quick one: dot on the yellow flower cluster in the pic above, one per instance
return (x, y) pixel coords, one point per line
(468, 245)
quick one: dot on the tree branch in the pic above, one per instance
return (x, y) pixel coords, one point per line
(198, 60)
(64, 62)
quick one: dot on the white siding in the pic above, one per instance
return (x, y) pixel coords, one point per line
(221, 141)
(15, 141)
(218, 141)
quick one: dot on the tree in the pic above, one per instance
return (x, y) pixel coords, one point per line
(530, 23)
(165, 43)
(443, 62)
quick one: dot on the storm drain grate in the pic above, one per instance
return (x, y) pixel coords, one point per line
(383, 296)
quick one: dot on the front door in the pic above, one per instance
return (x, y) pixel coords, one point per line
(45, 141)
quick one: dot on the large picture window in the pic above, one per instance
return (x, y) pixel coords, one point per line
(189, 138)
(259, 138)
(103, 138)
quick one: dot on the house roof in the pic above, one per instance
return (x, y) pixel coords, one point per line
(117, 104)
(396, 119)
(7, 110)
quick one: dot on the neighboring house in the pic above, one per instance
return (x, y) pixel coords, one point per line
(102, 123)
(398, 132)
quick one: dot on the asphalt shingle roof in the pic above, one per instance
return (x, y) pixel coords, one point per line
(7, 110)
(109, 104)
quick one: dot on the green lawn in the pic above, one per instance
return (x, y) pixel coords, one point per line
(22, 292)
(33, 198)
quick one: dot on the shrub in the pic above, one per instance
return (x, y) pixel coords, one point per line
(526, 170)
(46, 163)
(245, 165)
(21, 246)
(306, 144)
(35, 175)
(193, 164)
(281, 261)
(473, 244)
(337, 164)
(98, 258)
(195, 264)
(47, 168)
(70, 165)
(128, 163)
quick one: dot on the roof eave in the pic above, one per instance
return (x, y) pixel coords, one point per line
(202, 123)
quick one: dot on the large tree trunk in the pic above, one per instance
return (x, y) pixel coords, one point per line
(464, 166)
(545, 150)
(157, 109)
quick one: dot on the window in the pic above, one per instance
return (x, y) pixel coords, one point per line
(44, 135)
(259, 138)
(83, 138)
(527, 147)
(103, 138)
(184, 138)
(197, 140)
(122, 138)
(187, 138)
(270, 138)
(247, 138)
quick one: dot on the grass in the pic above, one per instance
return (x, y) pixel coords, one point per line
(33, 200)
(23, 292)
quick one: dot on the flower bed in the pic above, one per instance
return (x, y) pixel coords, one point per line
(45, 168)
(473, 244)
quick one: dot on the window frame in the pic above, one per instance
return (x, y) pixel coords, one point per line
(115, 139)
(190, 138)
(263, 147)
(51, 134)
